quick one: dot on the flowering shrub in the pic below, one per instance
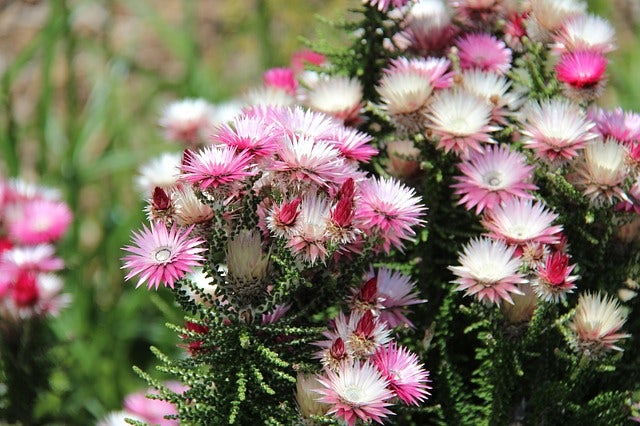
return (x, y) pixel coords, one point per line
(306, 201)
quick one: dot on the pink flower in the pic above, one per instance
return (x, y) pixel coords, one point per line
(520, 222)
(153, 410)
(308, 239)
(585, 32)
(353, 145)
(217, 165)
(488, 270)
(302, 57)
(395, 291)
(337, 96)
(276, 314)
(281, 78)
(460, 120)
(581, 69)
(187, 121)
(356, 391)
(39, 258)
(623, 126)
(161, 255)
(38, 221)
(281, 220)
(484, 51)
(429, 28)
(407, 377)
(248, 134)
(556, 129)
(389, 209)
(553, 279)
(436, 70)
(493, 176)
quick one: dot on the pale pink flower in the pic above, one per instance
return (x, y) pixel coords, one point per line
(488, 270)
(485, 52)
(395, 291)
(38, 221)
(493, 176)
(389, 209)
(547, 16)
(309, 237)
(215, 166)
(269, 96)
(556, 129)
(281, 78)
(553, 279)
(248, 134)
(403, 158)
(404, 94)
(353, 144)
(521, 222)
(596, 324)
(460, 120)
(162, 256)
(153, 411)
(297, 122)
(337, 96)
(306, 56)
(494, 88)
(161, 172)
(623, 126)
(601, 172)
(276, 314)
(189, 209)
(356, 391)
(428, 28)
(406, 375)
(585, 32)
(583, 74)
(436, 70)
(187, 120)
(38, 258)
(18, 190)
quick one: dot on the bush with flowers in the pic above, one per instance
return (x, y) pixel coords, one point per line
(435, 224)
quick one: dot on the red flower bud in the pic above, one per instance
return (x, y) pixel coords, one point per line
(25, 291)
(369, 291)
(366, 325)
(160, 200)
(337, 349)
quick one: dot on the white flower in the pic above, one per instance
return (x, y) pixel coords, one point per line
(162, 171)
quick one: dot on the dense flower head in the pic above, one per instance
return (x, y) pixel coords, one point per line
(353, 144)
(460, 120)
(395, 292)
(215, 166)
(161, 255)
(494, 88)
(556, 129)
(553, 279)
(548, 16)
(337, 96)
(404, 94)
(406, 375)
(429, 28)
(622, 126)
(389, 209)
(583, 72)
(282, 78)
(585, 32)
(38, 258)
(308, 239)
(600, 173)
(485, 52)
(596, 324)
(248, 134)
(356, 391)
(37, 221)
(488, 270)
(493, 176)
(436, 70)
(520, 222)
(187, 120)
(161, 172)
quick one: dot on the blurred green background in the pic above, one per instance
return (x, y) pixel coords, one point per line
(82, 84)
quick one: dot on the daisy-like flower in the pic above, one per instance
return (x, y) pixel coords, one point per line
(582, 72)
(187, 121)
(162, 256)
(404, 94)
(281, 78)
(248, 134)
(601, 172)
(162, 172)
(403, 158)
(308, 239)
(406, 375)
(356, 391)
(488, 270)
(395, 291)
(622, 126)
(493, 176)
(585, 32)
(485, 52)
(460, 120)
(353, 145)
(494, 88)
(556, 129)
(38, 258)
(337, 96)
(428, 28)
(553, 279)
(298, 122)
(215, 166)
(547, 16)
(437, 70)
(521, 222)
(305, 162)
(596, 324)
(389, 209)
(37, 221)
(189, 209)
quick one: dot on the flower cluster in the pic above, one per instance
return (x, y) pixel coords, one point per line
(32, 220)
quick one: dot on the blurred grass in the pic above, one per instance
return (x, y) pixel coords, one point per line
(81, 86)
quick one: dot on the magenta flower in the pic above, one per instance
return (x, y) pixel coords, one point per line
(153, 411)
(395, 292)
(623, 126)
(389, 209)
(488, 270)
(406, 375)
(353, 145)
(38, 221)
(493, 176)
(553, 279)
(521, 222)
(356, 391)
(162, 256)
(484, 51)
(248, 134)
(281, 78)
(581, 69)
(217, 165)
(38, 258)
(436, 70)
